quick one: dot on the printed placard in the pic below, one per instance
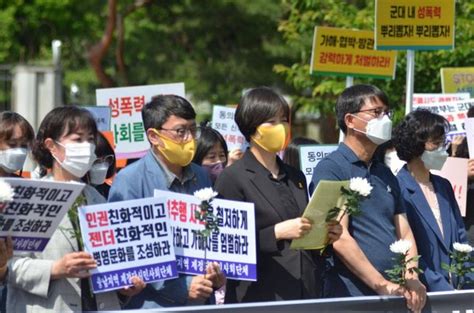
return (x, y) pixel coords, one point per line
(101, 116)
(128, 238)
(455, 170)
(458, 79)
(348, 52)
(455, 112)
(223, 121)
(310, 155)
(234, 247)
(414, 25)
(126, 105)
(469, 125)
(430, 98)
(36, 211)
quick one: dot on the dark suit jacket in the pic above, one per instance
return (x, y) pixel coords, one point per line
(282, 273)
(433, 246)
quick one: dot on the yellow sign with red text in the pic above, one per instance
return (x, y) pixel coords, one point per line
(345, 52)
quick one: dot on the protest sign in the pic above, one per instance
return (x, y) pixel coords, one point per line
(126, 104)
(234, 247)
(310, 155)
(101, 116)
(469, 125)
(455, 112)
(430, 98)
(223, 122)
(458, 79)
(348, 52)
(414, 25)
(36, 211)
(128, 238)
(455, 170)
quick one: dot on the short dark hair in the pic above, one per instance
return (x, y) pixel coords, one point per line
(292, 151)
(256, 107)
(61, 121)
(353, 98)
(103, 149)
(417, 128)
(156, 112)
(206, 141)
(9, 120)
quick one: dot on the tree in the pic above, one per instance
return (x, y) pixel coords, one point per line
(318, 93)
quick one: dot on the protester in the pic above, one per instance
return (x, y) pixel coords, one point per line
(432, 210)
(280, 196)
(362, 253)
(211, 152)
(56, 280)
(462, 151)
(291, 156)
(104, 166)
(170, 126)
(16, 137)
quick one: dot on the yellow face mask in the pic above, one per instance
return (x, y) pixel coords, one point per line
(179, 153)
(272, 138)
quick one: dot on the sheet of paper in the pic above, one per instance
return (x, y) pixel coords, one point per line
(326, 196)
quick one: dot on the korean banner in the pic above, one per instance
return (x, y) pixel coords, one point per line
(234, 247)
(340, 51)
(128, 238)
(223, 122)
(455, 170)
(101, 116)
(36, 211)
(458, 79)
(430, 98)
(414, 25)
(310, 155)
(126, 105)
(455, 112)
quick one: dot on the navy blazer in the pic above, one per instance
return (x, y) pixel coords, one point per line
(137, 181)
(433, 247)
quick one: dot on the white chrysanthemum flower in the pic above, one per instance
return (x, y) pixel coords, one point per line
(6, 191)
(360, 185)
(462, 247)
(205, 194)
(401, 246)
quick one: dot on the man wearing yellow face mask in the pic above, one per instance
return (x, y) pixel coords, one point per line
(170, 126)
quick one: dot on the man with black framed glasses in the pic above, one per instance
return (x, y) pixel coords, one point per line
(170, 126)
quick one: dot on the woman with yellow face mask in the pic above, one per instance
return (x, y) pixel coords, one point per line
(280, 197)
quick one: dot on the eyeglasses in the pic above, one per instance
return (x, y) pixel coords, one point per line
(184, 132)
(378, 112)
(109, 159)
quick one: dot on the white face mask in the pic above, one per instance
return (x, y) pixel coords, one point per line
(434, 160)
(78, 158)
(12, 160)
(378, 130)
(98, 173)
(393, 161)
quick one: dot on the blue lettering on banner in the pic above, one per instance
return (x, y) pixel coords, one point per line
(29, 243)
(121, 278)
(232, 270)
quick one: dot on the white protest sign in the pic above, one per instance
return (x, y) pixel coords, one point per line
(223, 122)
(234, 247)
(428, 98)
(455, 112)
(126, 105)
(101, 117)
(310, 155)
(37, 209)
(128, 238)
(455, 170)
(469, 125)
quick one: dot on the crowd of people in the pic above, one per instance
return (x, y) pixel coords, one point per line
(414, 205)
